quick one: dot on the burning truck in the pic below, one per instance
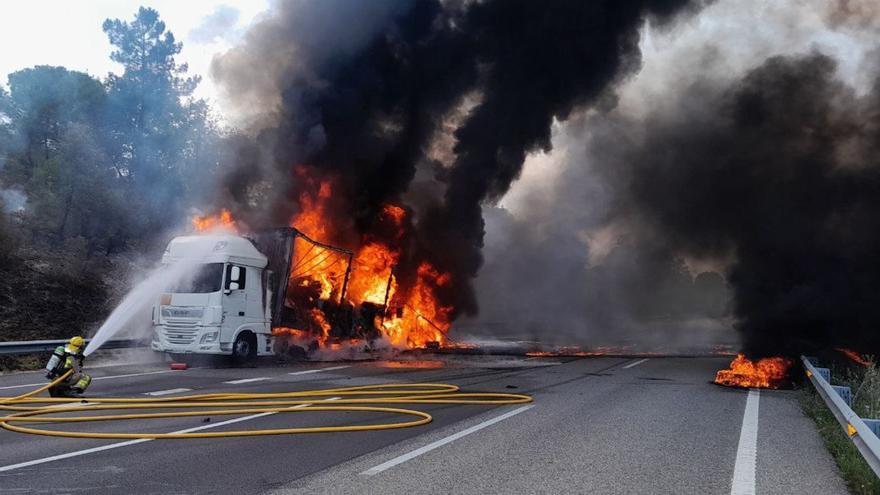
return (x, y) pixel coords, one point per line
(280, 291)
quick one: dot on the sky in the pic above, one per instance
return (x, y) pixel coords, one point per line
(68, 33)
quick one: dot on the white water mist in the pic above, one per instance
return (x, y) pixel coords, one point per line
(140, 299)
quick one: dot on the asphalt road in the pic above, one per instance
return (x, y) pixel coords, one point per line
(598, 425)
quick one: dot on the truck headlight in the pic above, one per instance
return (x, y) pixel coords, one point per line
(209, 337)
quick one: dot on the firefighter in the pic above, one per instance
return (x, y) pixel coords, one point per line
(67, 357)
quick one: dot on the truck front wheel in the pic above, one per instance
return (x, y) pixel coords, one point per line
(244, 350)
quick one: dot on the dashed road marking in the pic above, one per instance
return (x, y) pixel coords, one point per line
(78, 453)
(747, 452)
(168, 392)
(93, 379)
(248, 380)
(443, 441)
(307, 372)
(635, 363)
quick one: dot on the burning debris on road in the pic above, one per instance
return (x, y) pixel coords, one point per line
(760, 373)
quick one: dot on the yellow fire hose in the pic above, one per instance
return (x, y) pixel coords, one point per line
(345, 399)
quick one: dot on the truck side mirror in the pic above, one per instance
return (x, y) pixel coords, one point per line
(235, 275)
(233, 286)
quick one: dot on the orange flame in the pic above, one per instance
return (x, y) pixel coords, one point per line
(313, 206)
(564, 353)
(421, 319)
(221, 221)
(396, 213)
(370, 272)
(764, 373)
(320, 333)
(855, 357)
(411, 319)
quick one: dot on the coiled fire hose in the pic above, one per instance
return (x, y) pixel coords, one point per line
(369, 398)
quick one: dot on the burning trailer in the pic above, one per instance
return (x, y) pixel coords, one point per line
(309, 302)
(277, 291)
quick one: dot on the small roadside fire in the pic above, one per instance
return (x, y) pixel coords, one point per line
(769, 372)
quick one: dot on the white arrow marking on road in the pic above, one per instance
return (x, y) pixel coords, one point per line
(747, 452)
(439, 443)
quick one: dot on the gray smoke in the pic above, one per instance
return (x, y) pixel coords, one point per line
(630, 231)
(437, 105)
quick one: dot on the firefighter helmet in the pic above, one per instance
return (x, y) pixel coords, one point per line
(76, 342)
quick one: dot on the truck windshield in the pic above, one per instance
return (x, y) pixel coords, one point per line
(208, 277)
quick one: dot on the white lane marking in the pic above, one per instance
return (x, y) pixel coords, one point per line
(443, 441)
(635, 363)
(68, 404)
(247, 380)
(93, 379)
(306, 372)
(168, 392)
(747, 453)
(141, 440)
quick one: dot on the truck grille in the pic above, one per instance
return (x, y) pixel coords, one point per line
(181, 332)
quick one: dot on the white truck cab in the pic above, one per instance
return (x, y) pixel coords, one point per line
(222, 309)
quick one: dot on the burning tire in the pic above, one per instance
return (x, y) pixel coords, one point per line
(244, 350)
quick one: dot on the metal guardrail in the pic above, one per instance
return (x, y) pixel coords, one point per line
(862, 432)
(32, 346)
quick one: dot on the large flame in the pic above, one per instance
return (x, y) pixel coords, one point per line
(371, 274)
(421, 319)
(406, 316)
(410, 317)
(763, 373)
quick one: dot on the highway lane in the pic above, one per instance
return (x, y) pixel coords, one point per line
(658, 427)
(604, 425)
(228, 464)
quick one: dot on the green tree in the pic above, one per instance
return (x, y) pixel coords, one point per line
(43, 100)
(108, 165)
(42, 108)
(5, 125)
(8, 240)
(158, 127)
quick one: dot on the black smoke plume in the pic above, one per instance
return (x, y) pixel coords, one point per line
(780, 172)
(359, 90)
